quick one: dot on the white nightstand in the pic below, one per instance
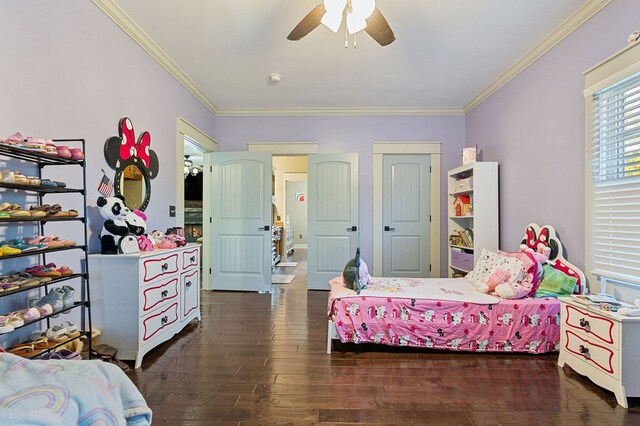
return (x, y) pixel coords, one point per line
(604, 346)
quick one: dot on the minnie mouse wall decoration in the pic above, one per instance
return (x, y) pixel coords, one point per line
(135, 164)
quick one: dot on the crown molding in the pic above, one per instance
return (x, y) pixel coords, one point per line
(124, 21)
(292, 112)
(572, 23)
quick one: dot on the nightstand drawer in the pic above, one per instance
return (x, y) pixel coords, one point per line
(592, 352)
(593, 326)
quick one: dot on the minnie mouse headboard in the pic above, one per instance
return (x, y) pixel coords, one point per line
(135, 164)
(535, 236)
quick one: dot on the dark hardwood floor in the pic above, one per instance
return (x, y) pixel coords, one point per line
(261, 359)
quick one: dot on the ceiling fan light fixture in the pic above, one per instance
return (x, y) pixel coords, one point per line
(333, 15)
(358, 14)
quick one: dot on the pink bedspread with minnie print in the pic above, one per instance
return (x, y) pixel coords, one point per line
(413, 313)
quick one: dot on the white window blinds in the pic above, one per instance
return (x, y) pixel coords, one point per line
(615, 170)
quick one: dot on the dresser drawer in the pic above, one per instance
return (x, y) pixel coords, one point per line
(158, 293)
(155, 267)
(592, 352)
(190, 258)
(594, 326)
(190, 293)
(160, 319)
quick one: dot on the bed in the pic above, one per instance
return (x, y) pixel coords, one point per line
(450, 313)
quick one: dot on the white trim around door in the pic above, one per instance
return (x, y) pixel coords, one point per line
(204, 141)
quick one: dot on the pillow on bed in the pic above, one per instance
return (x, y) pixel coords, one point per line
(485, 266)
(555, 283)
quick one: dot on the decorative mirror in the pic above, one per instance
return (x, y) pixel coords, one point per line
(135, 164)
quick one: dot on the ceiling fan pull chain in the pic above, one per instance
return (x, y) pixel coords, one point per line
(346, 37)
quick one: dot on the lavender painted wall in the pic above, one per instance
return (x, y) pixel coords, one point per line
(357, 134)
(534, 127)
(72, 73)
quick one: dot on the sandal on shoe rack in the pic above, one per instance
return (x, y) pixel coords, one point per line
(14, 211)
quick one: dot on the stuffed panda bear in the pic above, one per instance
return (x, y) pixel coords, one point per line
(115, 228)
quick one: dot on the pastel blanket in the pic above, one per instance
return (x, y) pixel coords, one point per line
(453, 289)
(63, 392)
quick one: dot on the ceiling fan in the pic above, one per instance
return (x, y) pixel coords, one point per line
(360, 15)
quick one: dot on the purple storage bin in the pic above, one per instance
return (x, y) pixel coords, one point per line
(463, 261)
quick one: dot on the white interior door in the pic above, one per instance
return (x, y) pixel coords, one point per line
(406, 212)
(332, 214)
(241, 219)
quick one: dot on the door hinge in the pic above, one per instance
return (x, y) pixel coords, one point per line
(211, 168)
(429, 268)
(429, 169)
(212, 222)
(429, 218)
(210, 270)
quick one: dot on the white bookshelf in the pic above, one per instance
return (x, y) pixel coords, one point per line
(479, 182)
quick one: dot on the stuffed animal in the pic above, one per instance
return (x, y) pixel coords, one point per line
(136, 221)
(517, 289)
(495, 279)
(356, 274)
(114, 228)
(161, 241)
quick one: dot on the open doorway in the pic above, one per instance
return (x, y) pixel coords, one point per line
(193, 190)
(290, 216)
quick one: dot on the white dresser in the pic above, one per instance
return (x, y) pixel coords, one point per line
(141, 300)
(603, 346)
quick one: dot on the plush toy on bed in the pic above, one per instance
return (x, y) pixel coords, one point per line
(518, 289)
(356, 274)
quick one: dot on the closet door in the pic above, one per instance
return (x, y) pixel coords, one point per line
(332, 216)
(241, 221)
(406, 211)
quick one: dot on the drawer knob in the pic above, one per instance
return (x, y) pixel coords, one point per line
(164, 319)
(188, 284)
(165, 293)
(193, 259)
(165, 266)
(584, 351)
(584, 323)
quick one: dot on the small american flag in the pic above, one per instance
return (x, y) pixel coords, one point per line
(106, 186)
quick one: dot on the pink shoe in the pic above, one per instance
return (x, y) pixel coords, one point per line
(76, 154)
(45, 309)
(63, 151)
(15, 139)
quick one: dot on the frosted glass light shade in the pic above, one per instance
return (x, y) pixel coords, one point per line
(333, 17)
(362, 9)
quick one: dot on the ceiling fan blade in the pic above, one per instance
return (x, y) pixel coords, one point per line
(308, 23)
(378, 28)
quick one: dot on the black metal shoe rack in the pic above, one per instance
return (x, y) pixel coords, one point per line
(43, 160)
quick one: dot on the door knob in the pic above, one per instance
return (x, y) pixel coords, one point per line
(388, 228)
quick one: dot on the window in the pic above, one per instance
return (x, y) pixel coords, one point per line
(613, 193)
